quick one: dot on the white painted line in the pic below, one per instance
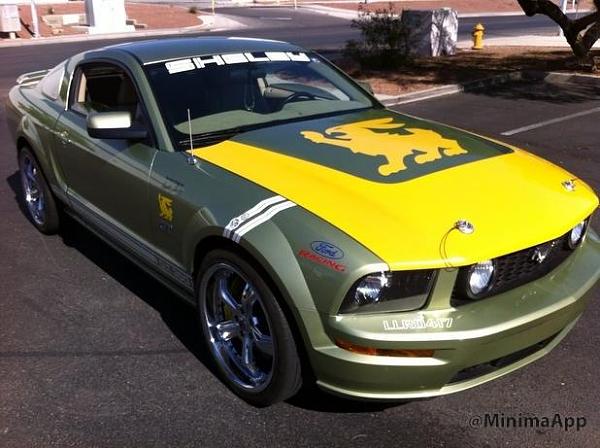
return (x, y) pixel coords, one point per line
(452, 91)
(549, 122)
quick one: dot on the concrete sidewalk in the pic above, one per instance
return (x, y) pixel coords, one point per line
(522, 41)
(333, 9)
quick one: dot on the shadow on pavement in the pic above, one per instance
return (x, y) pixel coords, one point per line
(311, 397)
(467, 68)
(545, 91)
(176, 313)
(179, 316)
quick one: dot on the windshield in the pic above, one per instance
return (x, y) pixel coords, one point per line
(207, 96)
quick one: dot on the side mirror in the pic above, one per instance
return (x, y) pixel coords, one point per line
(366, 85)
(114, 125)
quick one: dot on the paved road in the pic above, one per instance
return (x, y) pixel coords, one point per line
(320, 31)
(331, 33)
(95, 353)
(305, 28)
(496, 26)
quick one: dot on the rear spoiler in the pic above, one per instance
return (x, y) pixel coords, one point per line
(31, 78)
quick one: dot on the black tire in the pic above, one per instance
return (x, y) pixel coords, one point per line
(224, 270)
(34, 188)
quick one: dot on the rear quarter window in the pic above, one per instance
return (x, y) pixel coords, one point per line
(51, 83)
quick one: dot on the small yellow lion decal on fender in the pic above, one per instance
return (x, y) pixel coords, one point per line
(365, 137)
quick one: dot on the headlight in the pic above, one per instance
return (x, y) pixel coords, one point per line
(389, 291)
(479, 278)
(576, 234)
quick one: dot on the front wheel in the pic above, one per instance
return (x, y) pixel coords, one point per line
(246, 330)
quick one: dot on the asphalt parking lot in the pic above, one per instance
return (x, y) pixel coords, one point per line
(93, 352)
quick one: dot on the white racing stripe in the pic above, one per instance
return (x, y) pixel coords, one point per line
(237, 235)
(236, 222)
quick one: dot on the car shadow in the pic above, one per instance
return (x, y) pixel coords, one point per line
(177, 314)
(174, 311)
(312, 398)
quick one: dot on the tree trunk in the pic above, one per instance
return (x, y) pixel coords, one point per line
(581, 34)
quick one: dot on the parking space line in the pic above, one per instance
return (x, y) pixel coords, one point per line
(549, 122)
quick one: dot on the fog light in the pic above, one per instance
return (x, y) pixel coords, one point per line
(480, 277)
(576, 234)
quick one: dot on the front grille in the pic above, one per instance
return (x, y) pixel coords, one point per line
(497, 364)
(516, 269)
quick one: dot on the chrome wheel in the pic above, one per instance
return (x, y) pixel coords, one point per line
(239, 331)
(33, 193)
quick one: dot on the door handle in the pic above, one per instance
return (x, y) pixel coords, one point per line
(64, 136)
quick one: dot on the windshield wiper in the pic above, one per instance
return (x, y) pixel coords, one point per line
(214, 137)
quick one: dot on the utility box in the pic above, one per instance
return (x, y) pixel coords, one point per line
(9, 19)
(432, 33)
(106, 16)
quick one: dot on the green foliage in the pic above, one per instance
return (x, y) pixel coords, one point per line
(385, 39)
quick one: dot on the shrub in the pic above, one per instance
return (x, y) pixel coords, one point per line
(385, 39)
(193, 10)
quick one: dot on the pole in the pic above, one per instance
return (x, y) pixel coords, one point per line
(213, 7)
(34, 20)
(563, 7)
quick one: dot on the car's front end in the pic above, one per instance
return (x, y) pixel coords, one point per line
(474, 270)
(454, 342)
(416, 259)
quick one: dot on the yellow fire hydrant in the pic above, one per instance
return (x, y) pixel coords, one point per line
(478, 33)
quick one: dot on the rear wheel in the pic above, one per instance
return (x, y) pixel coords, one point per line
(246, 330)
(36, 195)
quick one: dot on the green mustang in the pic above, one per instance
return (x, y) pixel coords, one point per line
(317, 233)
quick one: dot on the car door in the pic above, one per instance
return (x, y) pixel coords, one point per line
(106, 178)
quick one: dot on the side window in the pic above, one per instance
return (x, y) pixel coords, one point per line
(51, 83)
(105, 88)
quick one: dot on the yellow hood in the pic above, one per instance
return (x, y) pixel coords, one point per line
(514, 200)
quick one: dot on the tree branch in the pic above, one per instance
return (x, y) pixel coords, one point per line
(585, 21)
(589, 25)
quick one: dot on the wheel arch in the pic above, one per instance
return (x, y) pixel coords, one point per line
(22, 142)
(273, 279)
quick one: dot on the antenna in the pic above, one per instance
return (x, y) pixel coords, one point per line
(190, 129)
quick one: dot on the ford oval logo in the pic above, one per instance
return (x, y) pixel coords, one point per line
(327, 250)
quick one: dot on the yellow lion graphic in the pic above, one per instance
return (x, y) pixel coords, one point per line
(363, 138)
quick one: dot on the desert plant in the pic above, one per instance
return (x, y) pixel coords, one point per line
(385, 39)
(193, 10)
(50, 11)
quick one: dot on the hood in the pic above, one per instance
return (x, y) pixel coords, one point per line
(398, 185)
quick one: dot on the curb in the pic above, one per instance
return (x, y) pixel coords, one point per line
(531, 40)
(451, 89)
(469, 15)
(339, 13)
(350, 14)
(523, 75)
(210, 23)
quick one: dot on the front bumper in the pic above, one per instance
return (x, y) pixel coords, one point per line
(472, 344)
